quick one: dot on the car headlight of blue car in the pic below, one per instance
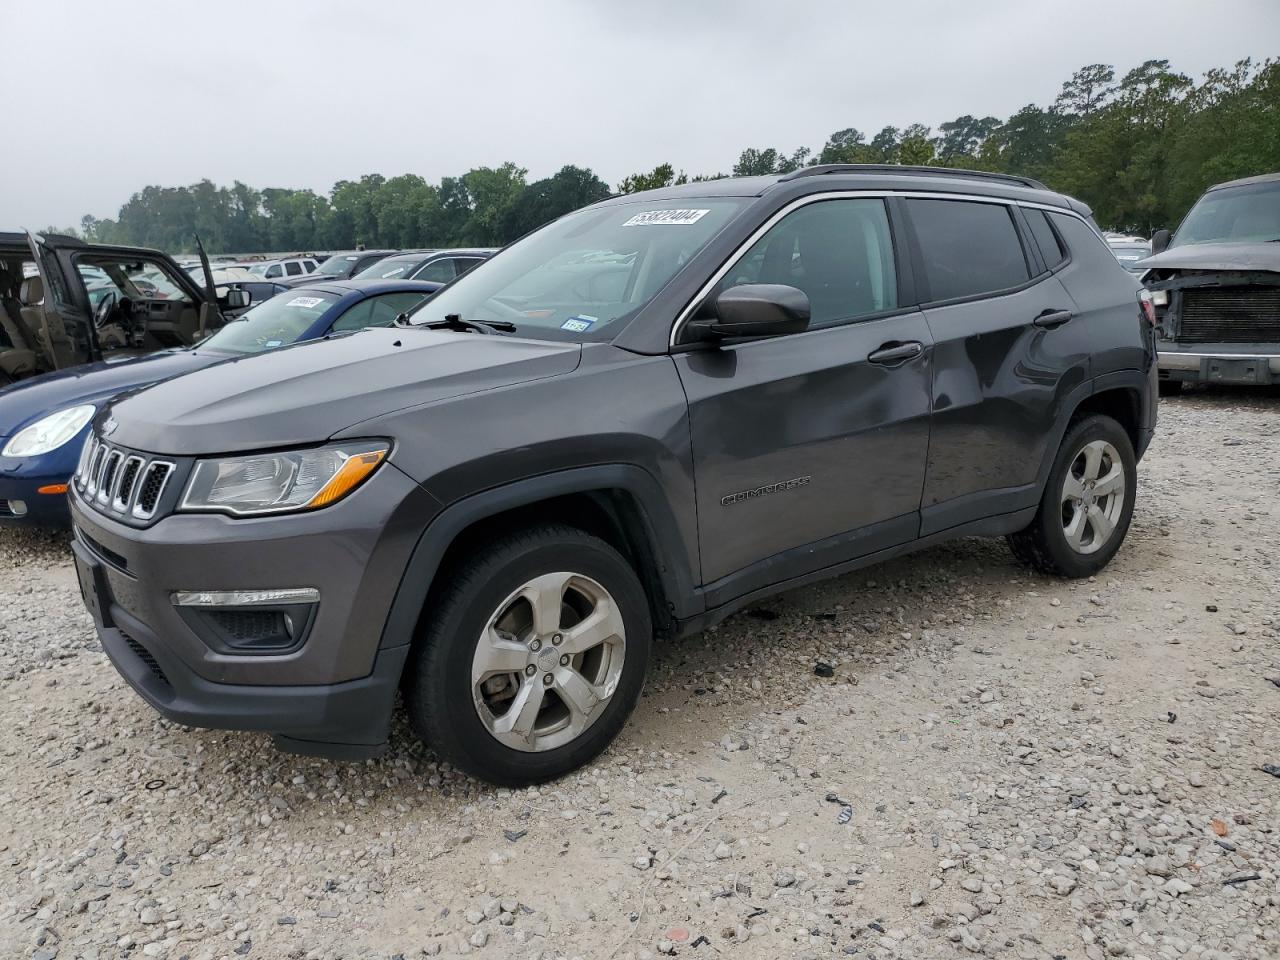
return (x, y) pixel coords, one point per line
(49, 433)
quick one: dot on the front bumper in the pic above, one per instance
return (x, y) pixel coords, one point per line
(1251, 364)
(331, 695)
(22, 504)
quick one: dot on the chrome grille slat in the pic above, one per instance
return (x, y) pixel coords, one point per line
(121, 483)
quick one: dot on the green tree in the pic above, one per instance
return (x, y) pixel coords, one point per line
(545, 200)
(663, 175)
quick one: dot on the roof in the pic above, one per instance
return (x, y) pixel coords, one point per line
(864, 176)
(344, 287)
(1246, 181)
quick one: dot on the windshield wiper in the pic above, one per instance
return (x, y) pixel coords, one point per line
(454, 321)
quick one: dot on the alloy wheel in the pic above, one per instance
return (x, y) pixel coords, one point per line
(1093, 497)
(548, 662)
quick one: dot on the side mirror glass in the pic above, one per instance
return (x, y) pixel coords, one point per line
(755, 310)
(1159, 241)
(235, 298)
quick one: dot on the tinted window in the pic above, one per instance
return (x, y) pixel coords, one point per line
(1050, 249)
(463, 264)
(377, 311)
(839, 252)
(440, 271)
(293, 269)
(310, 266)
(967, 248)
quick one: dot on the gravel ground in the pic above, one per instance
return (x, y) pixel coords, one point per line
(1000, 765)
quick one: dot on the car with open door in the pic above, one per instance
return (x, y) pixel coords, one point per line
(65, 302)
(44, 419)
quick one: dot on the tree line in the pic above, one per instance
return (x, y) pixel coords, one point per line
(1139, 148)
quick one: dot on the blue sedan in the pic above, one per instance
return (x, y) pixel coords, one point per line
(44, 420)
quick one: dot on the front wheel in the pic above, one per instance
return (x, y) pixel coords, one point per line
(1087, 503)
(534, 656)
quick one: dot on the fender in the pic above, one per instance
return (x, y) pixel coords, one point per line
(444, 528)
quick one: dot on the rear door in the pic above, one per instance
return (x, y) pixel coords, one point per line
(810, 449)
(1008, 350)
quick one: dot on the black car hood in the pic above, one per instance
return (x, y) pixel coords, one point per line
(1216, 256)
(307, 392)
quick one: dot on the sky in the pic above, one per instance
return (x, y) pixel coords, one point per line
(106, 98)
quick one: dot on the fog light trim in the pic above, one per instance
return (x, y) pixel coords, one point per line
(244, 598)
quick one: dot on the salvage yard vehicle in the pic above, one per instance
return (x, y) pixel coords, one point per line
(1130, 251)
(64, 302)
(627, 425)
(340, 266)
(1215, 284)
(44, 420)
(287, 267)
(438, 265)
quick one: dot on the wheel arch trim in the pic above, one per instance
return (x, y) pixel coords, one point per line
(444, 529)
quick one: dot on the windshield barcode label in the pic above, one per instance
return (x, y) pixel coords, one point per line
(662, 218)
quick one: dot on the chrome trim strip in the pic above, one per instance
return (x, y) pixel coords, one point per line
(683, 317)
(138, 513)
(122, 504)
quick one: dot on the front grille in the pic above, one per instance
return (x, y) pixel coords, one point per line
(120, 482)
(1230, 315)
(145, 656)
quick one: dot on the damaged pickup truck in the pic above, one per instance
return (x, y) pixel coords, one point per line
(1215, 285)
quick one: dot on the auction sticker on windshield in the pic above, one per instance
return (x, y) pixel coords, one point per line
(579, 324)
(305, 302)
(663, 218)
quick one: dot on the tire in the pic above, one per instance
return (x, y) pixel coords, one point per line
(465, 700)
(1170, 388)
(1053, 543)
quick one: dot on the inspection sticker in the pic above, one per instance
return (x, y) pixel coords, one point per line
(273, 343)
(579, 324)
(662, 218)
(305, 302)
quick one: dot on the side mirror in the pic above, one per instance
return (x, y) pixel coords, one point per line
(235, 299)
(755, 310)
(1159, 242)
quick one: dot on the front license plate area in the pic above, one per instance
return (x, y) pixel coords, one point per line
(93, 589)
(1236, 371)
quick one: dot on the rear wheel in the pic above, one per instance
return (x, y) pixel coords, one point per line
(1087, 503)
(534, 657)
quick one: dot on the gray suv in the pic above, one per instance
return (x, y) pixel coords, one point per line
(626, 426)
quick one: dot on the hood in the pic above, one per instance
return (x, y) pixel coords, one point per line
(1216, 256)
(28, 400)
(307, 392)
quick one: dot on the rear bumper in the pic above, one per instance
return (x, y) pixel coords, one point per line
(1220, 363)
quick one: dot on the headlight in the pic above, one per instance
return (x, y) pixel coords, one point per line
(49, 433)
(1160, 298)
(281, 482)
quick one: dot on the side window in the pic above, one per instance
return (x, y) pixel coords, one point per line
(463, 264)
(293, 268)
(967, 248)
(273, 271)
(839, 252)
(377, 311)
(1084, 243)
(440, 271)
(310, 266)
(1050, 249)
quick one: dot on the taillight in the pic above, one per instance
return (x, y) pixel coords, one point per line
(1146, 307)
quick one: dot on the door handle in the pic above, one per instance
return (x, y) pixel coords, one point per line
(1052, 318)
(891, 354)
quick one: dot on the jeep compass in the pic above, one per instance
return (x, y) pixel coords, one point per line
(627, 425)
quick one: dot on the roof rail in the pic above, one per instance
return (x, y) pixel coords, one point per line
(893, 168)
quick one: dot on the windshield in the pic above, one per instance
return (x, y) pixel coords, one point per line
(392, 268)
(584, 276)
(1244, 214)
(337, 266)
(272, 324)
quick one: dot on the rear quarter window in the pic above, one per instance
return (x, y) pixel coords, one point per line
(967, 248)
(1051, 250)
